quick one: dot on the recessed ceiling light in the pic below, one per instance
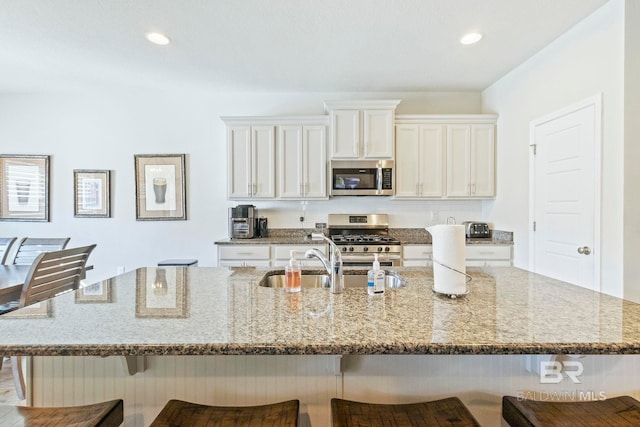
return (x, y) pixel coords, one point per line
(471, 38)
(158, 38)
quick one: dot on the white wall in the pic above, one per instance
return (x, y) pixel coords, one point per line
(103, 128)
(587, 60)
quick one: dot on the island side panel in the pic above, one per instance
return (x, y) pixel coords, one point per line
(479, 380)
(216, 380)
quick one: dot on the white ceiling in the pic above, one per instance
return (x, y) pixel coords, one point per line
(276, 45)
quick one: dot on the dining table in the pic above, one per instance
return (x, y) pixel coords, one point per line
(11, 281)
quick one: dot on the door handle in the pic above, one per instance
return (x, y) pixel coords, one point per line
(584, 250)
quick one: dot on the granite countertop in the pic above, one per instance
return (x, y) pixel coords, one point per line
(207, 310)
(407, 236)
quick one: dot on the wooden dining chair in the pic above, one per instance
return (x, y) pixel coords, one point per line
(29, 248)
(5, 247)
(101, 414)
(50, 274)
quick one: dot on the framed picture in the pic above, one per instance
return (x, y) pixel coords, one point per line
(91, 189)
(160, 187)
(24, 188)
(161, 292)
(37, 310)
(99, 292)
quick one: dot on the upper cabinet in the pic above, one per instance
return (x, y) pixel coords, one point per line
(251, 162)
(302, 162)
(276, 157)
(471, 160)
(362, 129)
(419, 161)
(445, 156)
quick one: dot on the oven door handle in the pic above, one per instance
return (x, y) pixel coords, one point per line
(381, 257)
(379, 179)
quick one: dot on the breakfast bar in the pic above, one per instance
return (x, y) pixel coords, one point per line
(216, 335)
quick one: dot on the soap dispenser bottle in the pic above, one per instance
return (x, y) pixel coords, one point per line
(293, 274)
(375, 278)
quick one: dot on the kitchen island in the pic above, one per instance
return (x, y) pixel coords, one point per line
(214, 335)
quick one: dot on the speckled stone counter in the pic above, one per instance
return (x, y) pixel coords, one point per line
(202, 310)
(281, 236)
(407, 236)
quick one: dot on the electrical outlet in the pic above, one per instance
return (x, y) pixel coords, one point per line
(120, 270)
(301, 219)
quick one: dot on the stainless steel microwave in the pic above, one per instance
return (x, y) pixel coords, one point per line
(362, 177)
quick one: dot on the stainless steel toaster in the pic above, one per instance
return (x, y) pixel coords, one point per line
(474, 229)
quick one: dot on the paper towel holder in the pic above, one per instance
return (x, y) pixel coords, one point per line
(449, 294)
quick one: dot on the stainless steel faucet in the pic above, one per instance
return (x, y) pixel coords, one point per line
(333, 265)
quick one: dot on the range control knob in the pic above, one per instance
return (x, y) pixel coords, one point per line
(344, 249)
(350, 248)
(379, 248)
(365, 249)
(386, 249)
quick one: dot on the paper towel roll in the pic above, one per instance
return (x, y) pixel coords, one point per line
(449, 249)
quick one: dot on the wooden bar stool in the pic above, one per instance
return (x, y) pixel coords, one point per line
(103, 414)
(179, 413)
(614, 412)
(444, 412)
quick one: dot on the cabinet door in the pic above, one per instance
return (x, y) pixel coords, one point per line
(431, 157)
(290, 166)
(345, 134)
(314, 159)
(458, 160)
(417, 255)
(407, 169)
(244, 255)
(377, 134)
(482, 160)
(239, 162)
(263, 162)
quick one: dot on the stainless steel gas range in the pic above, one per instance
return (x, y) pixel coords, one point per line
(359, 236)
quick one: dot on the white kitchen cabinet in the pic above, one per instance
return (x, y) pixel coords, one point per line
(282, 253)
(470, 160)
(476, 255)
(362, 129)
(251, 162)
(419, 161)
(244, 255)
(302, 162)
(488, 255)
(417, 255)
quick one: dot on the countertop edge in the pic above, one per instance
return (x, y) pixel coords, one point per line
(310, 350)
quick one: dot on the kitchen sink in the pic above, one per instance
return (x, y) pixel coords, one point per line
(313, 280)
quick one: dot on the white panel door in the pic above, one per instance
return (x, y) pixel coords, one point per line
(564, 191)
(407, 179)
(458, 160)
(263, 161)
(482, 160)
(314, 152)
(239, 162)
(431, 160)
(345, 136)
(377, 134)
(290, 163)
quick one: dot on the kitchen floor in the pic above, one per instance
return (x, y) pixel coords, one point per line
(8, 394)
